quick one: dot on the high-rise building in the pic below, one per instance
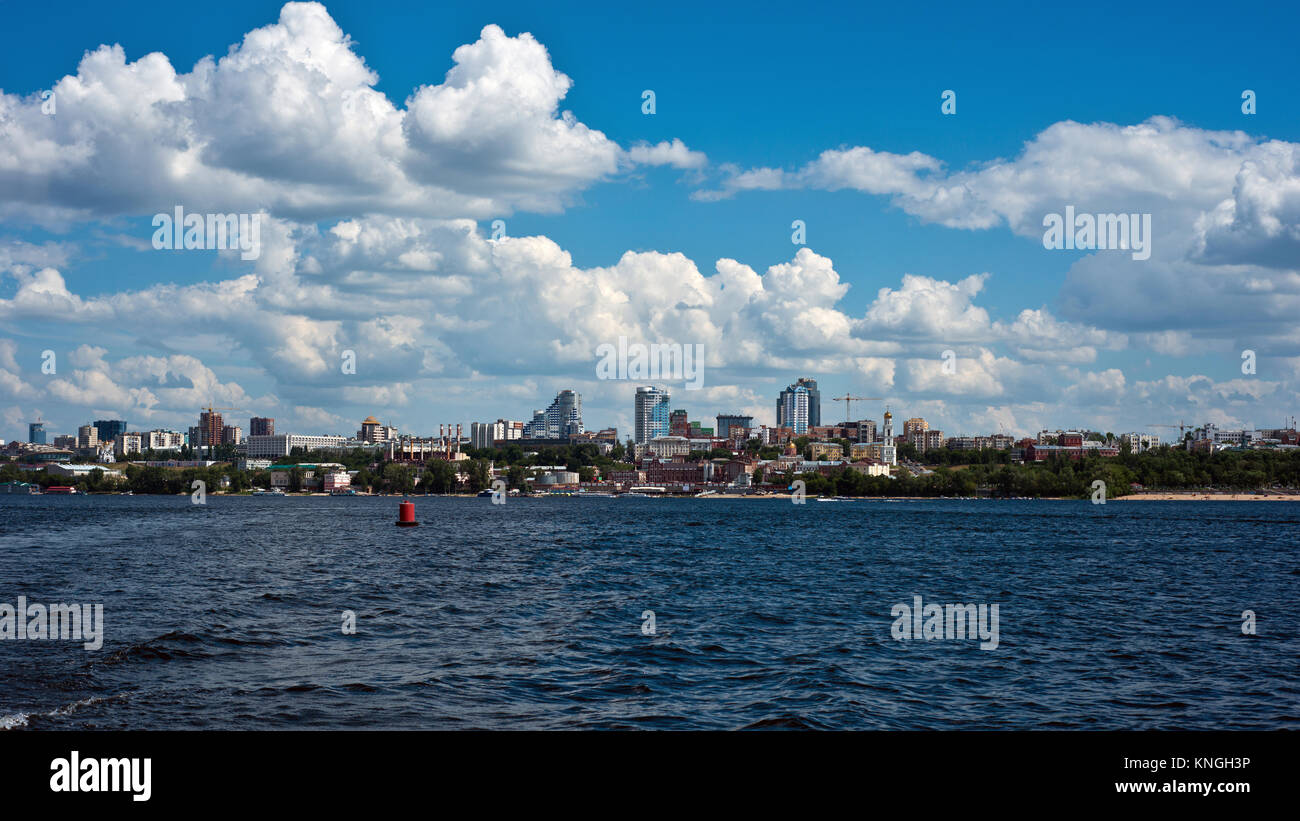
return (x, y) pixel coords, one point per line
(36, 433)
(564, 416)
(109, 429)
(162, 440)
(651, 413)
(231, 434)
(915, 425)
(727, 421)
(794, 409)
(87, 436)
(487, 434)
(562, 419)
(814, 403)
(209, 430)
(261, 426)
(125, 444)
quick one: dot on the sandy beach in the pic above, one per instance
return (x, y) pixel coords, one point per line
(1208, 497)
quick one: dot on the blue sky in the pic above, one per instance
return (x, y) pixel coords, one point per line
(747, 86)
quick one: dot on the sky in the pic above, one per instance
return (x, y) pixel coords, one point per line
(469, 201)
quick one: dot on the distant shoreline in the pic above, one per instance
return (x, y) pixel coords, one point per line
(1155, 496)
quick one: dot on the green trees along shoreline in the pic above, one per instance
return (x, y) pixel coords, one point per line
(987, 473)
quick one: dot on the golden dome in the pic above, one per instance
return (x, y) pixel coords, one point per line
(790, 449)
(370, 420)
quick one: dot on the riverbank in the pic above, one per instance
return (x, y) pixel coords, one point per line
(1202, 496)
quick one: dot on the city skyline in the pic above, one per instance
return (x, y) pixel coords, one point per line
(410, 288)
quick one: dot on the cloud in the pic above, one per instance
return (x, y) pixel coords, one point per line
(289, 122)
(674, 154)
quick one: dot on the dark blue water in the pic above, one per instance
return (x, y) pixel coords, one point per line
(529, 615)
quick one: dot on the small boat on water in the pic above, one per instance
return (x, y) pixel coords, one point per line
(341, 491)
(261, 491)
(485, 494)
(63, 490)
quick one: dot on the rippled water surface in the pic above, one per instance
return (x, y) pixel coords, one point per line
(767, 614)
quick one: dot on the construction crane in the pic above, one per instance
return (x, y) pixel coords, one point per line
(1181, 427)
(849, 399)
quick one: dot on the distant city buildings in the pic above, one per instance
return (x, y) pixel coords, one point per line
(87, 437)
(109, 429)
(36, 433)
(809, 408)
(651, 413)
(484, 435)
(728, 421)
(279, 445)
(678, 425)
(562, 419)
(261, 426)
(162, 440)
(373, 431)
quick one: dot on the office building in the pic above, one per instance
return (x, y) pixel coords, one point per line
(36, 433)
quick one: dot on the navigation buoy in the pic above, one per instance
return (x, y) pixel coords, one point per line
(406, 515)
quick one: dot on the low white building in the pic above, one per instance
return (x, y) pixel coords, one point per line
(279, 445)
(82, 471)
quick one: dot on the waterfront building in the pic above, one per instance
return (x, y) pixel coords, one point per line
(279, 445)
(81, 471)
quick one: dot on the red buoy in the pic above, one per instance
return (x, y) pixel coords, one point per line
(406, 515)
